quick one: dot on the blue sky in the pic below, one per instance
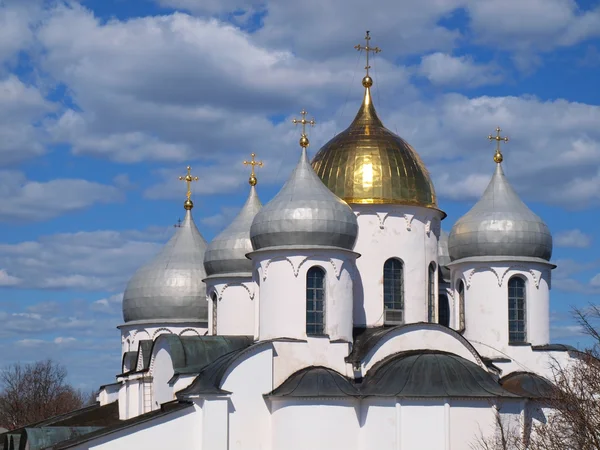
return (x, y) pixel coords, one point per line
(104, 102)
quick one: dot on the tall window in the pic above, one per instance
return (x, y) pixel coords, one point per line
(431, 294)
(461, 306)
(213, 298)
(393, 291)
(315, 301)
(443, 310)
(517, 329)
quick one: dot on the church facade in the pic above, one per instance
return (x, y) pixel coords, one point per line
(339, 315)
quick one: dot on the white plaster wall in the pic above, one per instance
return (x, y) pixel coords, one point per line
(469, 421)
(249, 415)
(109, 394)
(320, 424)
(380, 424)
(162, 371)
(235, 305)
(422, 425)
(394, 231)
(486, 302)
(420, 339)
(282, 277)
(215, 423)
(293, 356)
(177, 430)
(523, 358)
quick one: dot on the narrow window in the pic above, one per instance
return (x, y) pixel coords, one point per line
(444, 310)
(461, 306)
(431, 294)
(213, 298)
(315, 301)
(517, 330)
(393, 292)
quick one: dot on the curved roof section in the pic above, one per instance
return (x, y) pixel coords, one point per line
(170, 287)
(430, 374)
(315, 381)
(529, 385)
(304, 213)
(500, 224)
(226, 254)
(368, 164)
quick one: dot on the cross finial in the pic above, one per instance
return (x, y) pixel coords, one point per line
(252, 180)
(304, 139)
(188, 178)
(367, 48)
(498, 156)
(178, 224)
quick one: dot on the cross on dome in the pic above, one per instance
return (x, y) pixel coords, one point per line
(498, 158)
(304, 142)
(188, 178)
(252, 180)
(367, 80)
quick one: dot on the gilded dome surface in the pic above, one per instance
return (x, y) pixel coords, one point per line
(304, 213)
(226, 254)
(170, 286)
(367, 163)
(500, 225)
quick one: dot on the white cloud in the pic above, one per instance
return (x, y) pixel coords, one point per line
(109, 305)
(462, 71)
(16, 26)
(241, 7)
(32, 200)
(572, 238)
(8, 280)
(595, 281)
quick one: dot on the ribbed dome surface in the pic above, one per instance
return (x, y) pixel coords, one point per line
(367, 163)
(170, 287)
(304, 213)
(226, 254)
(500, 224)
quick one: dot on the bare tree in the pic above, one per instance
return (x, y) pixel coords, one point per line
(573, 420)
(35, 392)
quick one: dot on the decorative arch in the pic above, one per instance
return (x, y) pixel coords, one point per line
(157, 332)
(483, 269)
(192, 330)
(536, 275)
(251, 293)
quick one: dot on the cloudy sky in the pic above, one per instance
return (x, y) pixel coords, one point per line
(104, 102)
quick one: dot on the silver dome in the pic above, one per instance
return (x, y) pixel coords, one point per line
(500, 224)
(443, 256)
(226, 254)
(170, 287)
(304, 213)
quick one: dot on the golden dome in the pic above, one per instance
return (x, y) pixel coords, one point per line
(368, 164)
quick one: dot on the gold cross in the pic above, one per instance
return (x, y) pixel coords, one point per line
(252, 180)
(367, 49)
(498, 156)
(304, 139)
(188, 178)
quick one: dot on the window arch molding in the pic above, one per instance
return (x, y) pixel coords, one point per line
(393, 291)
(316, 300)
(431, 297)
(517, 309)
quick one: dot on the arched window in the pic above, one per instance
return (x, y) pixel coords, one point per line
(315, 301)
(461, 306)
(517, 323)
(393, 292)
(213, 298)
(431, 294)
(443, 310)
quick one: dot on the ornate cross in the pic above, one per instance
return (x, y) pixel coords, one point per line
(367, 49)
(498, 156)
(188, 178)
(252, 180)
(304, 139)
(178, 224)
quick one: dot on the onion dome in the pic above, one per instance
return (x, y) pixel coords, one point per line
(443, 256)
(304, 213)
(368, 164)
(500, 225)
(226, 254)
(170, 287)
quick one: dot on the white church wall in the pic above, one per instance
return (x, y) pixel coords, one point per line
(293, 356)
(161, 368)
(415, 338)
(380, 424)
(108, 394)
(282, 275)
(486, 302)
(469, 421)
(248, 379)
(318, 424)
(177, 430)
(215, 423)
(423, 424)
(393, 231)
(235, 305)
(524, 359)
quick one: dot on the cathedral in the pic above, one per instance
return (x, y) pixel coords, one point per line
(339, 315)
